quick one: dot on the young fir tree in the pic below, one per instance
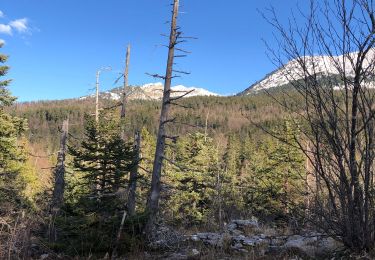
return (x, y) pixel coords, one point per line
(194, 180)
(101, 163)
(103, 158)
(12, 154)
(277, 176)
(147, 151)
(231, 156)
(231, 179)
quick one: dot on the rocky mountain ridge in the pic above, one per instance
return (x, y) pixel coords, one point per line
(323, 65)
(152, 91)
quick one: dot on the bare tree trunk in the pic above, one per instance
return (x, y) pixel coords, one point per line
(308, 181)
(286, 192)
(130, 208)
(124, 95)
(218, 188)
(206, 126)
(134, 175)
(153, 200)
(114, 251)
(97, 121)
(97, 125)
(97, 91)
(58, 191)
(123, 107)
(97, 97)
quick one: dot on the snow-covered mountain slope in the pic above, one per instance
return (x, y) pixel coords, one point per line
(322, 65)
(153, 91)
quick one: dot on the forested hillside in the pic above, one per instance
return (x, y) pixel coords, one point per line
(223, 166)
(282, 170)
(225, 115)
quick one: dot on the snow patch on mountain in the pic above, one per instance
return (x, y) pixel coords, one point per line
(323, 65)
(154, 91)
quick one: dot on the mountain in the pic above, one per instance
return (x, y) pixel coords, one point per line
(323, 65)
(153, 91)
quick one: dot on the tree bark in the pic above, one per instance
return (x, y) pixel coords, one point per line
(134, 175)
(153, 200)
(59, 187)
(124, 95)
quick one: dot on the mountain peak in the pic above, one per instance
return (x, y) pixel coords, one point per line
(319, 64)
(153, 91)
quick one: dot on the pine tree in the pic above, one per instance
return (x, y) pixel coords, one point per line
(147, 152)
(193, 179)
(231, 156)
(276, 179)
(103, 157)
(231, 180)
(12, 154)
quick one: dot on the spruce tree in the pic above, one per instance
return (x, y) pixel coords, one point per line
(193, 179)
(277, 176)
(147, 152)
(11, 151)
(231, 179)
(103, 158)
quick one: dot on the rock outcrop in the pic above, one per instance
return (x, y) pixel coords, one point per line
(245, 236)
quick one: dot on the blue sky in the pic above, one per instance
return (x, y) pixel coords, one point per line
(55, 47)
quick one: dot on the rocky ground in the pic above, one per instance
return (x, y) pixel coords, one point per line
(243, 239)
(239, 239)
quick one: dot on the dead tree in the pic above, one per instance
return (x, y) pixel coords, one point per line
(97, 91)
(124, 101)
(97, 96)
(134, 175)
(175, 38)
(124, 94)
(131, 201)
(153, 201)
(335, 102)
(59, 185)
(206, 126)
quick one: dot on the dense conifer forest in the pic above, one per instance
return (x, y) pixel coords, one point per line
(282, 170)
(222, 169)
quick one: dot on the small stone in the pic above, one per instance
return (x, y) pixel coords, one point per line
(44, 256)
(214, 239)
(194, 238)
(176, 256)
(236, 232)
(231, 226)
(195, 252)
(237, 246)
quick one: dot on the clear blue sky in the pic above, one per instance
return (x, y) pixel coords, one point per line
(56, 46)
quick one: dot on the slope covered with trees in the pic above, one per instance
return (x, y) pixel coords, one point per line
(289, 169)
(223, 166)
(21, 183)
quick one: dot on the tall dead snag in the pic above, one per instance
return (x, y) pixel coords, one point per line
(124, 94)
(134, 175)
(58, 191)
(97, 96)
(206, 126)
(153, 200)
(97, 91)
(124, 100)
(97, 110)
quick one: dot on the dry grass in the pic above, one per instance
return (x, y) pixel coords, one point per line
(15, 237)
